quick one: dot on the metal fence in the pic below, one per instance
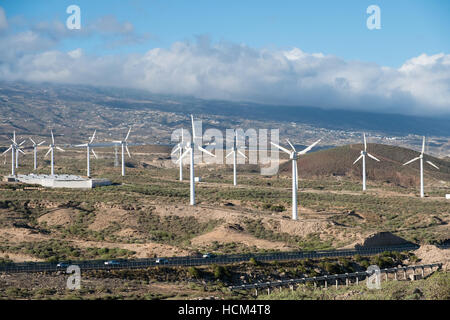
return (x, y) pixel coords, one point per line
(326, 278)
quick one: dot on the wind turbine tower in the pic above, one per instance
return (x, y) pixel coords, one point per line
(234, 152)
(190, 149)
(35, 145)
(179, 149)
(420, 157)
(15, 149)
(293, 154)
(88, 152)
(363, 155)
(124, 144)
(51, 149)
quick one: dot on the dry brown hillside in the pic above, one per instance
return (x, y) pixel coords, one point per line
(339, 162)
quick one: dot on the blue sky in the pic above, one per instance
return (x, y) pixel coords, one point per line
(409, 28)
(300, 53)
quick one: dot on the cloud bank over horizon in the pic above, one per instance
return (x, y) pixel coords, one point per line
(226, 71)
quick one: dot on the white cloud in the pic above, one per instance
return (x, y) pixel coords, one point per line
(233, 72)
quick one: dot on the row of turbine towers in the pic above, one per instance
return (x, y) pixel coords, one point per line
(185, 148)
(190, 146)
(16, 148)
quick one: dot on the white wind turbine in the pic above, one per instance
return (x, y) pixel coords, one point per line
(293, 156)
(89, 149)
(179, 148)
(124, 145)
(420, 157)
(35, 145)
(363, 157)
(191, 149)
(15, 149)
(51, 149)
(234, 152)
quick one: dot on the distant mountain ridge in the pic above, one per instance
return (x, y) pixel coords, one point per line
(75, 110)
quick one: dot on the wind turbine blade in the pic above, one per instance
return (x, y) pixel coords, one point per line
(292, 146)
(41, 143)
(116, 142)
(365, 142)
(309, 148)
(182, 135)
(176, 149)
(49, 150)
(81, 145)
(22, 143)
(410, 161)
(20, 150)
(359, 158)
(242, 154)
(93, 136)
(60, 149)
(128, 151)
(371, 156)
(423, 145)
(7, 150)
(229, 154)
(206, 151)
(93, 152)
(34, 143)
(183, 155)
(281, 148)
(14, 137)
(53, 138)
(432, 164)
(128, 134)
(193, 127)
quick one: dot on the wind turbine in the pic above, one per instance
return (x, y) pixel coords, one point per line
(363, 157)
(51, 149)
(88, 149)
(190, 148)
(35, 145)
(293, 156)
(124, 145)
(179, 148)
(420, 157)
(234, 153)
(15, 149)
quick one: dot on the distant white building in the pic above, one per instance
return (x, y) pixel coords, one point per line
(447, 196)
(61, 181)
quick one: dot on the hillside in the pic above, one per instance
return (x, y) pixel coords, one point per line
(74, 111)
(339, 162)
